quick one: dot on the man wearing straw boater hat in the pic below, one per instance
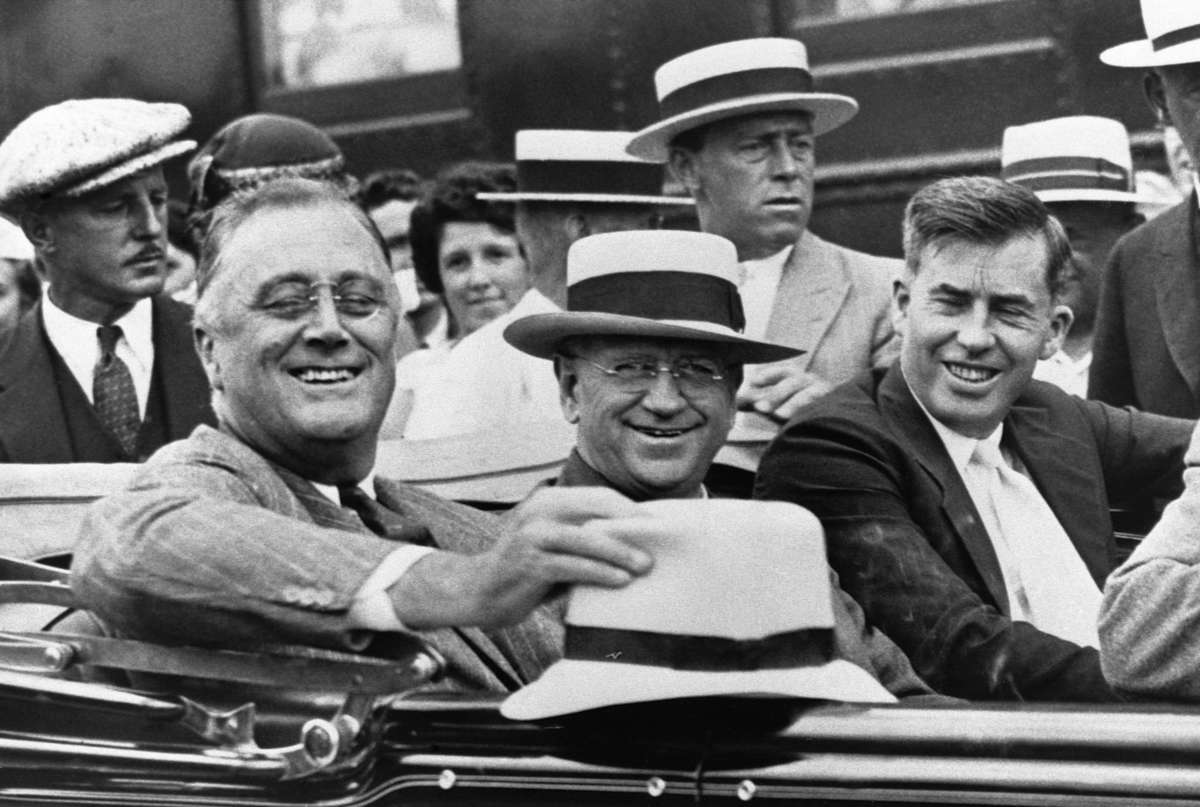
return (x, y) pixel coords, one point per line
(1081, 167)
(570, 183)
(738, 126)
(102, 369)
(1148, 324)
(648, 357)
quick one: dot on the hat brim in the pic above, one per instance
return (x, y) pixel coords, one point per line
(541, 334)
(1140, 53)
(570, 686)
(604, 198)
(829, 111)
(1091, 195)
(129, 167)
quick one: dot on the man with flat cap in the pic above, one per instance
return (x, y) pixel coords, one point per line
(103, 368)
(738, 127)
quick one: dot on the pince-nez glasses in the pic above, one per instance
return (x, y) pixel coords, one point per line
(353, 299)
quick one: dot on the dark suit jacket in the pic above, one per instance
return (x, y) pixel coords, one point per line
(45, 417)
(911, 548)
(1147, 345)
(213, 545)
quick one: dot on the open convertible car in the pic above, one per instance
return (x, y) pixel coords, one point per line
(89, 719)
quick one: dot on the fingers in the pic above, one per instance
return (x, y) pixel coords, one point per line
(602, 542)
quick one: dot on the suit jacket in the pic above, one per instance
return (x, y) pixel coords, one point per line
(910, 547)
(1148, 322)
(211, 544)
(45, 417)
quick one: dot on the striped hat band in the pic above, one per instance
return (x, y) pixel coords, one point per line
(1052, 173)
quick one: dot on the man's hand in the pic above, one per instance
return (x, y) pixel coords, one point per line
(779, 389)
(558, 535)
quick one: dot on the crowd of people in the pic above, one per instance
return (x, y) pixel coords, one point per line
(941, 440)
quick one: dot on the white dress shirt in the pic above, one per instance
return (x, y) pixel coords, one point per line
(758, 282)
(76, 341)
(1069, 375)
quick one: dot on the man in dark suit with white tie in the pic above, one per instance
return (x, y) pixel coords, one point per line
(966, 505)
(102, 369)
(263, 530)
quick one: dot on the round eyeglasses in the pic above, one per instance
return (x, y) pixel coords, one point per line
(639, 374)
(354, 299)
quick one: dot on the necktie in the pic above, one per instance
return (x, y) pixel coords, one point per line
(1050, 580)
(113, 394)
(381, 521)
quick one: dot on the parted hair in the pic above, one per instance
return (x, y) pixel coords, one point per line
(452, 197)
(982, 210)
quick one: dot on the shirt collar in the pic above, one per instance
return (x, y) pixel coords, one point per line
(64, 328)
(770, 263)
(958, 446)
(331, 492)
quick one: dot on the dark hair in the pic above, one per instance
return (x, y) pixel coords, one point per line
(383, 186)
(453, 198)
(179, 230)
(277, 194)
(690, 139)
(982, 210)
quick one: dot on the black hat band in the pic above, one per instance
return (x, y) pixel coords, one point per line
(590, 177)
(808, 647)
(1050, 173)
(728, 86)
(662, 295)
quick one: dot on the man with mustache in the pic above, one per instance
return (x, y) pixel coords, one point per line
(103, 368)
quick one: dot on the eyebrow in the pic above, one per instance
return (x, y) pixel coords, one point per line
(1002, 299)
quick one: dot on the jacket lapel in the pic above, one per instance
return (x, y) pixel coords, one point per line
(812, 289)
(1177, 286)
(31, 412)
(1064, 471)
(912, 428)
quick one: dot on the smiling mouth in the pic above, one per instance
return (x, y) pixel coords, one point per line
(325, 375)
(662, 433)
(970, 374)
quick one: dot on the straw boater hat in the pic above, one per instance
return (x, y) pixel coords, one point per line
(738, 603)
(659, 284)
(1081, 158)
(1172, 36)
(732, 79)
(78, 146)
(583, 165)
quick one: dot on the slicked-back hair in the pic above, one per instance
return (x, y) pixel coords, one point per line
(278, 194)
(451, 198)
(982, 210)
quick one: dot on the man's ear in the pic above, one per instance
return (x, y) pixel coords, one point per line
(1156, 96)
(900, 300)
(576, 226)
(568, 385)
(205, 348)
(682, 163)
(38, 229)
(1060, 323)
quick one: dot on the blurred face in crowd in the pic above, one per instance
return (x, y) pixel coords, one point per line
(1093, 229)
(752, 180)
(107, 249)
(299, 371)
(1174, 92)
(482, 270)
(650, 437)
(10, 300)
(974, 320)
(392, 218)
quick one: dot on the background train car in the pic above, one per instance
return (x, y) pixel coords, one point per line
(420, 83)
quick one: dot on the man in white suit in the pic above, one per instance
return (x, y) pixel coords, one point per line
(738, 127)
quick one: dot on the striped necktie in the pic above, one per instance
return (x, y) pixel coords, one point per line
(113, 393)
(380, 520)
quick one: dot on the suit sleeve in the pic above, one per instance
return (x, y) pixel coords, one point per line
(1110, 378)
(190, 554)
(1142, 454)
(852, 477)
(1150, 615)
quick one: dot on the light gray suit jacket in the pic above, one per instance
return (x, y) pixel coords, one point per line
(213, 545)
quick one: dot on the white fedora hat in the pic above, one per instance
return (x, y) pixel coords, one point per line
(1080, 158)
(736, 78)
(1172, 36)
(738, 603)
(658, 284)
(583, 165)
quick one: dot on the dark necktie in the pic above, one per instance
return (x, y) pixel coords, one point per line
(380, 520)
(113, 394)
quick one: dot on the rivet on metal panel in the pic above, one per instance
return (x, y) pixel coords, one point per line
(58, 657)
(745, 790)
(655, 786)
(447, 779)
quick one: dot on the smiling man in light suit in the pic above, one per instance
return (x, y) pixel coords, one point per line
(739, 122)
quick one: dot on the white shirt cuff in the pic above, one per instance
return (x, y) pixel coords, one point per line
(372, 607)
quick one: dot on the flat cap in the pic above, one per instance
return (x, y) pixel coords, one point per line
(78, 146)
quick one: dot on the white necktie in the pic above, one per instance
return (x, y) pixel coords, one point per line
(1058, 590)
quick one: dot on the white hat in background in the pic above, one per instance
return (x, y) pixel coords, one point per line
(738, 603)
(656, 284)
(583, 165)
(1172, 36)
(768, 74)
(1081, 158)
(78, 146)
